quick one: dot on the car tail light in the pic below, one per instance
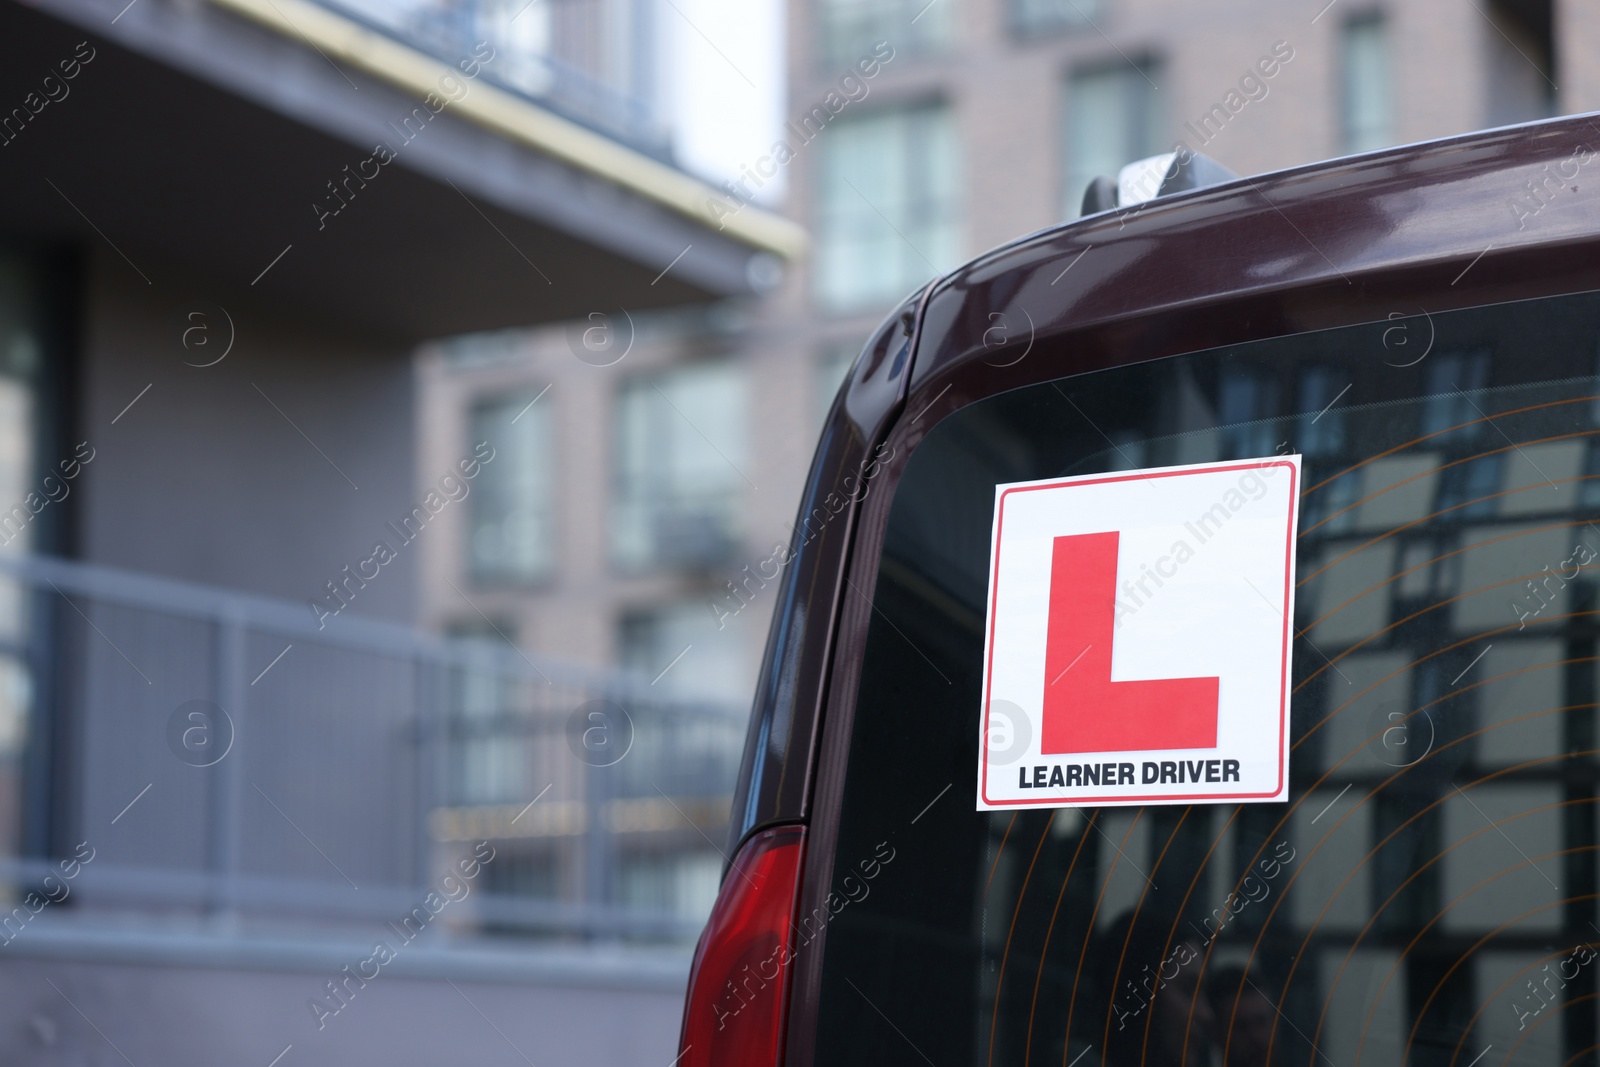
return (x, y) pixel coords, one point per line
(739, 984)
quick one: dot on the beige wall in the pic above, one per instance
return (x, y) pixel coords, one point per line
(203, 480)
(1578, 55)
(573, 615)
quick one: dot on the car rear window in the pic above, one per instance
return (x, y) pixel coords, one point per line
(1428, 893)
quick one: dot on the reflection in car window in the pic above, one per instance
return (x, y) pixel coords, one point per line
(1427, 895)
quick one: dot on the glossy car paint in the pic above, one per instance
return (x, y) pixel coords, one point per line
(1387, 237)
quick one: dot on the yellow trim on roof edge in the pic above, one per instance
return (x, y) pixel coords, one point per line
(521, 120)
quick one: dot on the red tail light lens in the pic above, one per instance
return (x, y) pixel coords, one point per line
(739, 984)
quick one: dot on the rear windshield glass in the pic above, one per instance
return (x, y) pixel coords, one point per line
(1428, 893)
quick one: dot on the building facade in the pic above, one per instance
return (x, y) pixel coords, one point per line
(642, 517)
(229, 762)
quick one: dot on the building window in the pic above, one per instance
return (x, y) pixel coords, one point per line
(596, 60)
(36, 472)
(20, 414)
(1450, 414)
(486, 760)
(1589, 484)
(1367, 96)
(1247, 404)
(513, 514)
(1470, 489)
(681, 459)
(1322, 428)
(1042, 16)
(888, 206)
(848, 29)
(684, 653)
(1113, 118)
(472, 351)
(1518, 38)
(684, 884)
(524, 869)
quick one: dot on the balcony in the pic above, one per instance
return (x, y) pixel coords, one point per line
(696, 532)
(245, 782)
(582, 59)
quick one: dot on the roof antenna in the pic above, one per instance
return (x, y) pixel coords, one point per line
(1155, 176)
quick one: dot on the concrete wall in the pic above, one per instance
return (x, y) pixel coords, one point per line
(203, 479)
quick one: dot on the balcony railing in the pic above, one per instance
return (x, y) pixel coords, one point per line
(234, 766)
(584, 59)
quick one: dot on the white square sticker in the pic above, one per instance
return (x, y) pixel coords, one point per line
(1137, 643)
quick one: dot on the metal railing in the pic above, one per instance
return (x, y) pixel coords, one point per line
(232, 764)
(588, 60)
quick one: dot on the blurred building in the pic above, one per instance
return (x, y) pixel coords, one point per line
(230, 762)
(659, 465)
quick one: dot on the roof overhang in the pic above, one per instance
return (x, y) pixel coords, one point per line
(212, 137)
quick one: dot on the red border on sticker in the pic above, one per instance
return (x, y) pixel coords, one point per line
(1283, 661)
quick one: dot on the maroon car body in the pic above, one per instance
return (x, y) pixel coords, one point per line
(1390, 236)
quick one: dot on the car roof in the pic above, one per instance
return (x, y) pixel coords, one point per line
(1436, 203)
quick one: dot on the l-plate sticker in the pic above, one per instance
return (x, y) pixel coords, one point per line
(1136, 649)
